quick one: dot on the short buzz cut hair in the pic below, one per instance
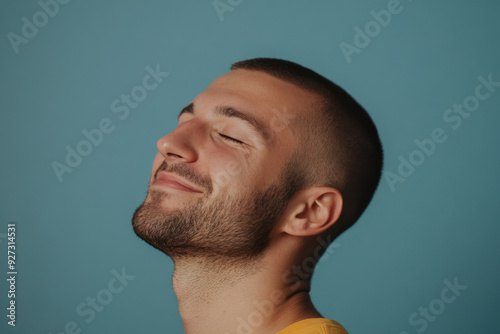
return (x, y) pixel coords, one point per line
(340, 146)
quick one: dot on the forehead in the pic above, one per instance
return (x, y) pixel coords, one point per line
(275, 103)
(258, 90)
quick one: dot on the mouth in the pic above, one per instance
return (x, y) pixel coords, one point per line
(171, 181)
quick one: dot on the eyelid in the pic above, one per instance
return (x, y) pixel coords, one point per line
(226, 137)
(222, 135)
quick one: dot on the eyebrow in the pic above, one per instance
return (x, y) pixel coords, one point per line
(228, 111)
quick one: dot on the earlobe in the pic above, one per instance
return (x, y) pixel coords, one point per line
(312, 211)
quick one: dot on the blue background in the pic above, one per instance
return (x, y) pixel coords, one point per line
(441, 223)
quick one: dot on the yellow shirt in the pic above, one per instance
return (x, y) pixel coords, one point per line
(314, 326)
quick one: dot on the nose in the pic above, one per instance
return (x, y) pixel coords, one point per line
(182, 144)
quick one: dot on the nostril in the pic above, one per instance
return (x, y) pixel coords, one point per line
(174, 155)
(177, 146)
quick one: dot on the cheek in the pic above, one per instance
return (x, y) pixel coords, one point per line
(229, 171)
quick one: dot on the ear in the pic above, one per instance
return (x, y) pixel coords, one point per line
(311, 211)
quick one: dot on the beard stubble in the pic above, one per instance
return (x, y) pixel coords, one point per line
(218, 227)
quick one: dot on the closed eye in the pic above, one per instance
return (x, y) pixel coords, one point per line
(231, 139)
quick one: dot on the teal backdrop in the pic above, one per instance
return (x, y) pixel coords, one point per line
(423, 258)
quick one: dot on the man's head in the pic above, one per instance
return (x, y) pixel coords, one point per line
(270, 147)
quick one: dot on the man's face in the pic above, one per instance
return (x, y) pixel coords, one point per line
(223, 177)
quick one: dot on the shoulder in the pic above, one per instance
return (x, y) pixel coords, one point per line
(314, 326)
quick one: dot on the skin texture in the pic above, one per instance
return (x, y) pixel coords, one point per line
(227, 276)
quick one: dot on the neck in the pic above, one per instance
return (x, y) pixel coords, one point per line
(225, 296)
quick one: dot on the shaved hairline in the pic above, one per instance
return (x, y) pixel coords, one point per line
(340, 143)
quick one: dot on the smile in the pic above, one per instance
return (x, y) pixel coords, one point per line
(170, 181)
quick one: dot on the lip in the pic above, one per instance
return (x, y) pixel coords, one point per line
(171, 181)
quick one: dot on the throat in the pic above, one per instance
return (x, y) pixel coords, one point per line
(215, 297)
(205, 287)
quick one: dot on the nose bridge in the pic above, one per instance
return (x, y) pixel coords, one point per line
(183, 143)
